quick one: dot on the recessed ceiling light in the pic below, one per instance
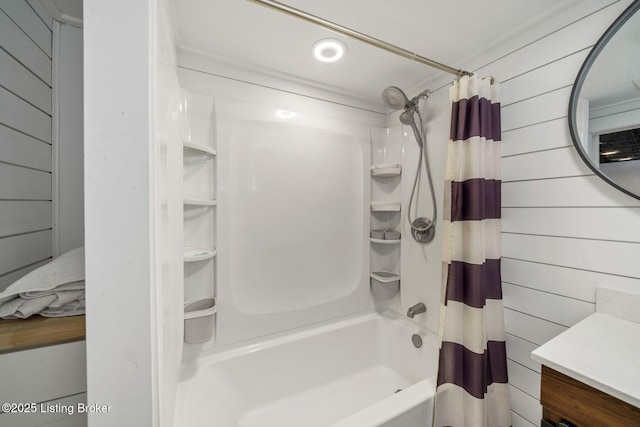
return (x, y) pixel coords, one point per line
(329, 50)
(284, 114)
(610, 153)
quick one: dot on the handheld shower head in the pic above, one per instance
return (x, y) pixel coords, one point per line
(395, 98)
(407, 118)
(422, 229)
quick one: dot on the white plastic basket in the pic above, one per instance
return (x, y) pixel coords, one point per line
(198, 320)
(384, 285)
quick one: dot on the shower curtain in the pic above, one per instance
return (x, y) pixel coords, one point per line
(472, 388)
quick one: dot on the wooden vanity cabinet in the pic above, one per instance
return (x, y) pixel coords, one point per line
(564, 398)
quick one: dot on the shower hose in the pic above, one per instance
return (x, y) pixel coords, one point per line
(424, 156)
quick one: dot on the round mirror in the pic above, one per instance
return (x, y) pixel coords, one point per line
(604, 109)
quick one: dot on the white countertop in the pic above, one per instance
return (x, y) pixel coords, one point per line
(601, 351)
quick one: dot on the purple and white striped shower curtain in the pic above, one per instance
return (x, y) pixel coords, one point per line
(472, 387)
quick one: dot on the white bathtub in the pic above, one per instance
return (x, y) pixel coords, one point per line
(342, 374)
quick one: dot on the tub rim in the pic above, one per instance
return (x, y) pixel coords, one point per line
(241, 348)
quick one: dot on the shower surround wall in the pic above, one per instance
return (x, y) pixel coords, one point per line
(292, 214)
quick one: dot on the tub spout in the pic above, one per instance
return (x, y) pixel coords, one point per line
(416, 309)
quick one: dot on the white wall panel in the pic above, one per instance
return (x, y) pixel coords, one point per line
(24, 117)
(19, 80)
(53, 372)
(557, 74)
(24, 216)
(69, 147)
(561, 280)
(25, 140)
(593, 223)
(50, 419)
(21, 183)
(8, 278)
(524, 379)
(24, 249)
(23, 150)
(519, 351)
(527, 409)
(582, 191)
(42, 12)
(576, 253)
(536, 137)
(20, 46)
(519, 421)
(551, 164)
(530, 328)
(570, 38)
(541, 108)
(558, 309)
(24, 16)
(120, 249)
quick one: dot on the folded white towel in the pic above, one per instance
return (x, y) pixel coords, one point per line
(53, 290)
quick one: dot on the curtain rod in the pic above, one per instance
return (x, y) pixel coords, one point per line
(281, 7)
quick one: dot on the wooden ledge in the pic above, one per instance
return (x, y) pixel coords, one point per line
(38, 331)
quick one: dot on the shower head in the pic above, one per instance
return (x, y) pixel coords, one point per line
(407, 118)
(395, 98)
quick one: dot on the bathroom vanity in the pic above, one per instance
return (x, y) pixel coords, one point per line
(591, 372)
(565, 398)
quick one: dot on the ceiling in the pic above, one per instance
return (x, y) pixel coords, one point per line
(450, 32)
(70, 7)
(258, 38)
(66, 11)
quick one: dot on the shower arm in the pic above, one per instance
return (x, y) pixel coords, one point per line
(281, 7)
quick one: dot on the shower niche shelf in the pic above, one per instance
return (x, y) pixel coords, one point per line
(385, 190)
(384, 285)
(192, 201)
(385, 206)
(387, 170)
(198, 254)
(199, 191)
(385, 276)
(199, 148)
(198, 320)
(385, 241)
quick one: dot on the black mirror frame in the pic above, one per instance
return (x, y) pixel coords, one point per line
(577, 87)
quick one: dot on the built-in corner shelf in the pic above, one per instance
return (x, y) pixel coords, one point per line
(385, 207)
(191, 201)
(383, 171)
(198, 254)
(385, 276)
(385, 241)
(199, 148)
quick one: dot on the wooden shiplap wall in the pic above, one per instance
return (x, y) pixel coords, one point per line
(565, 231)
(25, 138)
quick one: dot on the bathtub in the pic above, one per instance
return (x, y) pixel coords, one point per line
(355, 372)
